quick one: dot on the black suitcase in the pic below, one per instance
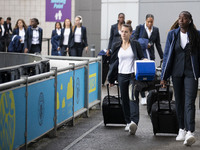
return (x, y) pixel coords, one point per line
(163, 114)
(152, 98)
(112, 109)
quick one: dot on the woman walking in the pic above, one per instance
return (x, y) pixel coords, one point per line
(182, 62)
(124, 54)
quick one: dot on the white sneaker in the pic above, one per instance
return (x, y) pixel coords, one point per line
(143, 101)
(181, 135)
(189, 139)
(132, 128)
(127, 127)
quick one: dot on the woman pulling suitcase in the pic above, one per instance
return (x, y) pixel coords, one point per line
(124, 54)
(182, 62)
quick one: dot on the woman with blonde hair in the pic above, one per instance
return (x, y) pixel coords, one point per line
(79, 38)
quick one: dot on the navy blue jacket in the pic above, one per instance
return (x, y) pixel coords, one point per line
(169, 57)
(62, 37)
(114, 35)
(114, 61)
(15, 44)
(54, 33)
(83, 37)
(154, 38)
(16, 31)
(28, 38)
(6, 27)
(55, 41)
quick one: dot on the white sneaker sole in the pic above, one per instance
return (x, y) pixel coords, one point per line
(132, 129)
(180, 139)
(126, 130)
(189, 141)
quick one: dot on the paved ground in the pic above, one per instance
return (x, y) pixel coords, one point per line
(91, 134)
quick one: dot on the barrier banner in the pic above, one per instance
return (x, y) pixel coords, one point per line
(79, 89)
(93, 82)
(12, 118)
(64, 96)
(40, 108)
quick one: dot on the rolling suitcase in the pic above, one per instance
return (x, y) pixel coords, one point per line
(112, 109)
(152, 98)
(163, 114)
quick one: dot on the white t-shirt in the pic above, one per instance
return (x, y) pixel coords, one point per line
(22, 35)
(78, 35)
(147, 30)
(58, 31)
(184, 39)
(3, 30)
(126, 61)
(35, 38)
(66, 36)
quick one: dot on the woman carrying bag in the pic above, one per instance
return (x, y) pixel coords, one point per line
(124, 53)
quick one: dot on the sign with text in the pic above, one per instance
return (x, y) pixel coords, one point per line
(58, 10)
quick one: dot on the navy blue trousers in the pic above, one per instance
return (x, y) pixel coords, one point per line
(76, 50)
(185, 90)
(130, 108)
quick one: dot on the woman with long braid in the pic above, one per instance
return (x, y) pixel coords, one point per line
(182, 62)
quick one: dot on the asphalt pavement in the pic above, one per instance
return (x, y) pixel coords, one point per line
(91, 134)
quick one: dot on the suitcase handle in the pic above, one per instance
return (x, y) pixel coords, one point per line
(166, 90)
(109, 93)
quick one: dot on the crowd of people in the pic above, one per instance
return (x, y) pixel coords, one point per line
(181, 60)
(69, 40)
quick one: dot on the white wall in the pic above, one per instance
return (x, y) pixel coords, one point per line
(109, 15)
(166, 12)
(26, 9)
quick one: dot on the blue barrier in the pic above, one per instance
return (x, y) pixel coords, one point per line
(93, 82)
(41, 104)
(12, 118)
(79, 89)
(64, 96)
(40, 108)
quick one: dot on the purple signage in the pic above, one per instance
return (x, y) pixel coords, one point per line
(58, 10)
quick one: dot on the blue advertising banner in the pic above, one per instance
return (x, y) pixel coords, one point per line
(64, 96)
(12, 118)
(40, 108)
(79, 89)
(93, 82)
(58, 10)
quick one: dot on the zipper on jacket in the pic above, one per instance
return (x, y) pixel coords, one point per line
(192, 67)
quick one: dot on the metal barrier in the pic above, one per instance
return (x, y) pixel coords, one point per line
(15, 65)
(33, 106)
(48, 44)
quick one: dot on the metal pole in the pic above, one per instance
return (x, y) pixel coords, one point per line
(73, 118)
(26, 125)
(93, 50)
(87, 89)
(48, 46)
(100, 81)
(55, 100)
